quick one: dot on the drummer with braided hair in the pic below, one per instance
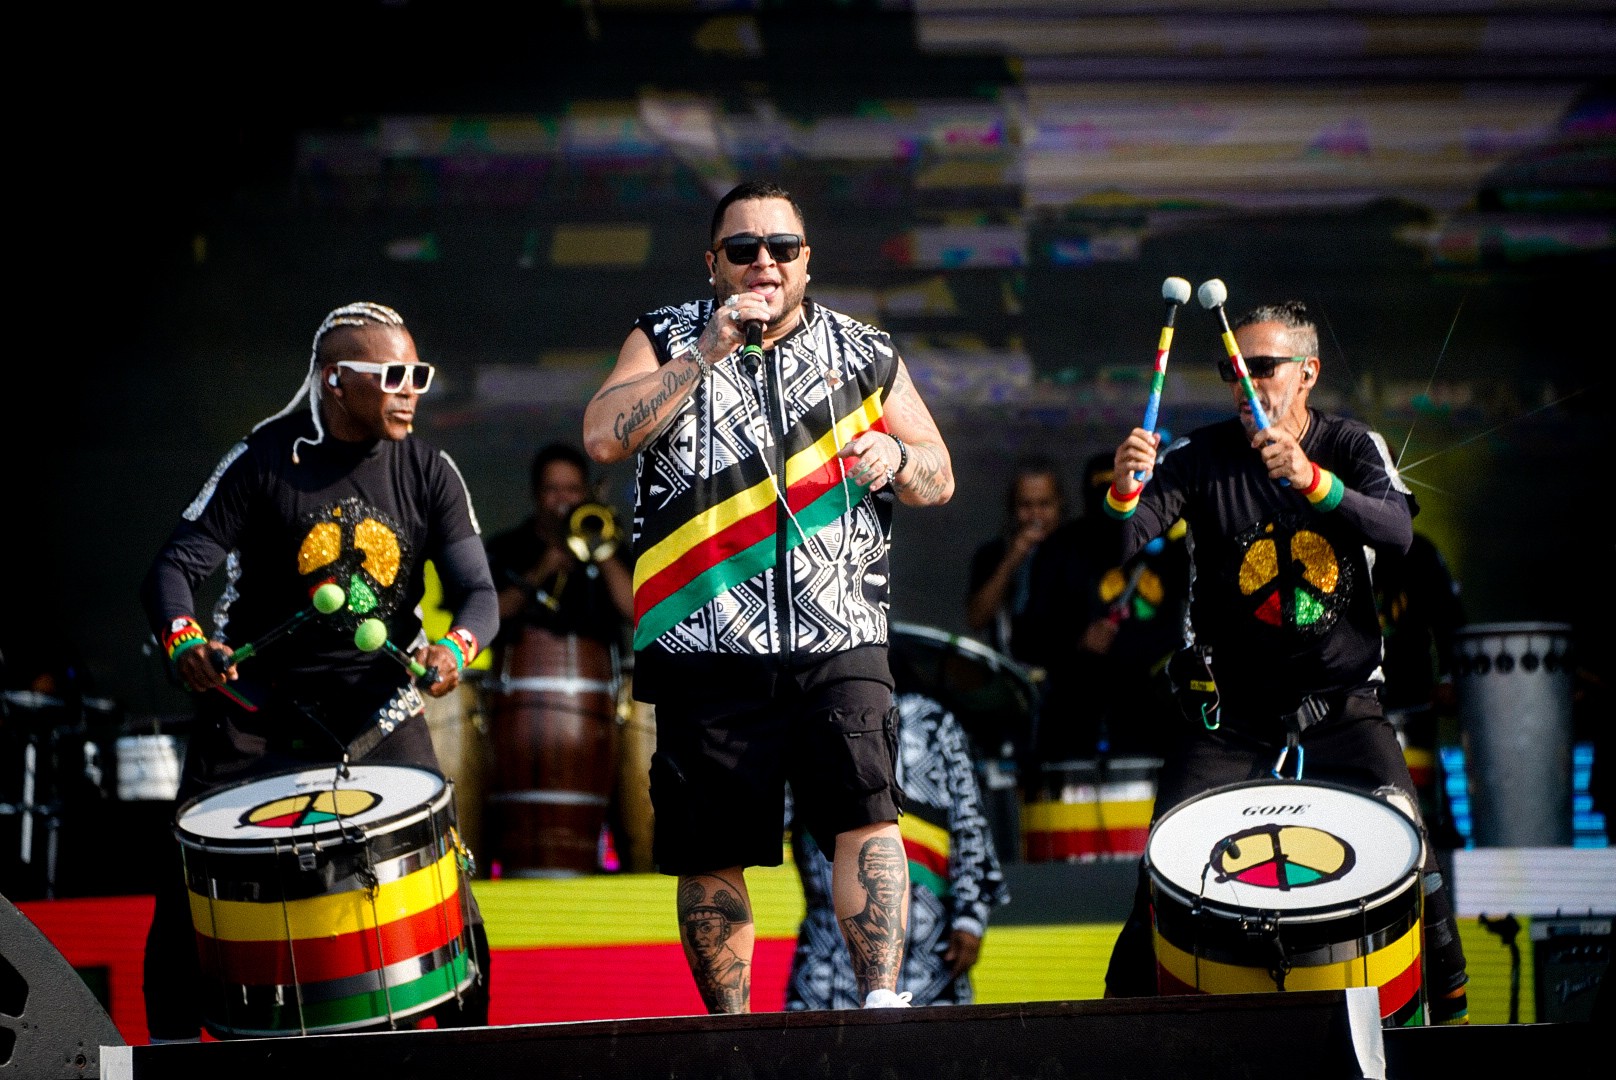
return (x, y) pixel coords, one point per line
(1282, 672)
(337, 491)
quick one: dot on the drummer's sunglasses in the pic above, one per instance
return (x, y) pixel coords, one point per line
(1261, 367)
(742, 248)
(394, 376)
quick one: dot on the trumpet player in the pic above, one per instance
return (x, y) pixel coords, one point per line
(557, 577)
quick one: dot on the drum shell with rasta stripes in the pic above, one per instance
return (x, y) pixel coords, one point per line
(1284, 885)
(325, 902)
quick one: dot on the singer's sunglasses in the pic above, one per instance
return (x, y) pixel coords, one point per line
(1261, 367)
(742, 248)
(394, 376)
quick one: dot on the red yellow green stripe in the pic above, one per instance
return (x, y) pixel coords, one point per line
(342, 1013)
(928, 847)
(335, 956)
(1120, 506)
(1394, 970)
(1327, 490)
(735, 540)
(329, 914)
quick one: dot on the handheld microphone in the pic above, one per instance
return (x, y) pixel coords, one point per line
(1213, 294)
(1175, 291)
(327, 599)
(752, 351)
(372, 635)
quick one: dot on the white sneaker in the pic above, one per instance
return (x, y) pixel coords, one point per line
(883, 998)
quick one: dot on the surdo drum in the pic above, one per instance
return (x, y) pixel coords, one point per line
(326, 903)
(1283, 885)
(1091, 809)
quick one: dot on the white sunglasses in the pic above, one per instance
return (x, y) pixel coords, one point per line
(394, 376)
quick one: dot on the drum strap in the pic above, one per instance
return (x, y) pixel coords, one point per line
(403, 705)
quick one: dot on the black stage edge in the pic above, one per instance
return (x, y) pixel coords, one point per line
(1317, 1034)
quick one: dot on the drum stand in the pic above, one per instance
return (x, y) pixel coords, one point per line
(27, 811)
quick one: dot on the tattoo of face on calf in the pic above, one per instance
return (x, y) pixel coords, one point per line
(708, 914)
(875, 934)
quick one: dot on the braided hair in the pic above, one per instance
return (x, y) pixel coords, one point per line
(362, 313)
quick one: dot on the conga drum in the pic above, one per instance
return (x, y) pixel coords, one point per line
(638, 743)
(1283, 885)
(1091, 809)
(553, 720)
(327, 902)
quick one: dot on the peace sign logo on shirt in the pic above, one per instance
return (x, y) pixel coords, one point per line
(1293, 577)
(359, 548)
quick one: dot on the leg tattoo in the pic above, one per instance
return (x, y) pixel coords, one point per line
(711, 911)
(875, 935)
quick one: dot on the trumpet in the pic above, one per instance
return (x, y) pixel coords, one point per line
(592, 532)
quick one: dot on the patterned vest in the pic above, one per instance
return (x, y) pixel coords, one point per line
(748, 538)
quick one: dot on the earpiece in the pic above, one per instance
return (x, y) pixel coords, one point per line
(331, 379)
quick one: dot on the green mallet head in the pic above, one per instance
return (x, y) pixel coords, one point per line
(371, 635)
(329, 598)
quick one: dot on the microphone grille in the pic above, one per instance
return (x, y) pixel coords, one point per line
(1213, 293)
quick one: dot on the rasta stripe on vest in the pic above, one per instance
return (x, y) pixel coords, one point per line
(713, 549)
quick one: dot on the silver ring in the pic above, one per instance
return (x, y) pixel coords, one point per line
(735, 316)
(733, 301)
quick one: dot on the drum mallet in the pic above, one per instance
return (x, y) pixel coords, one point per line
(328, 598)
(1176, 291)
(1213, 294)
(372, 635)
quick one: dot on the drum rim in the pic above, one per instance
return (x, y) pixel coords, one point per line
(966, 644)
(402, 819)
(1496, 629)
(1374, 898)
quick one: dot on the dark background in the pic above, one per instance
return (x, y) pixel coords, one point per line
(183, 242)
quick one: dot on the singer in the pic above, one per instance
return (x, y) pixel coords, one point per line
(1283, 620)
(336, 491)
(773, 437)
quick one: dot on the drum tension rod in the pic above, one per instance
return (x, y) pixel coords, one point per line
(1268, 930)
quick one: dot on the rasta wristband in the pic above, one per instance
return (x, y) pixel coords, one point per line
(461, 642)
(1325, 491)
(1118, 505)
(183, 633)
(181, 647)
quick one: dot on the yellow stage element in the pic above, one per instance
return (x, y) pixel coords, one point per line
(1043, 817)
(1058, 962)
(620, 909)
(600, 245)
(436, 621)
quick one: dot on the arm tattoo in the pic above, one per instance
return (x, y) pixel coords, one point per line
(875, 935)
(710, 910)
(928, 479)
(629, 425)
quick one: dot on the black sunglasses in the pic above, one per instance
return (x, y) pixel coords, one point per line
(1261, 367)
(742, 248)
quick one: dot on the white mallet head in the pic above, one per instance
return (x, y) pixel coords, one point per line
(1175, 290)
(1212, 294)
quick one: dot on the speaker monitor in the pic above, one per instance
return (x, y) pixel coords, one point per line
(51, 1025)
